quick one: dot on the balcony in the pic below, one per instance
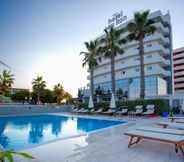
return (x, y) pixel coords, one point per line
(157, 36)
(159, 25)
(124, 63)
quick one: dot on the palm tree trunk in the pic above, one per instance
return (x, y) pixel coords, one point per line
(142, 74)
(92, 83)
(113, 73)
(38, 98)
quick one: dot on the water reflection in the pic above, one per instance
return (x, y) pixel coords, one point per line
(4, 140)
(25, 131)
(57, 123)
(36, 132)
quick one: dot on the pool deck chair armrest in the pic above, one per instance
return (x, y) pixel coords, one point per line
(137, 135)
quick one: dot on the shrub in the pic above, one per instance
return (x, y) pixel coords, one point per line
(82, 105)
(103, 104)
(161, 105)
(4, 99)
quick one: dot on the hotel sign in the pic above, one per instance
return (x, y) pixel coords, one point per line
(117, 19)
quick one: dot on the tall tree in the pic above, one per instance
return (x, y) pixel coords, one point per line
(21, 96)
(38, 86)
(59, 93)
(67, 97)
(138, 29)
(6, 81)
(93, 50)
(112, 46)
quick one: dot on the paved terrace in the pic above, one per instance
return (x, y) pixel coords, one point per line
(108, 145)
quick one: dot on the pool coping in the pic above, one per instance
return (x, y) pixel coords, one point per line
(126, 122)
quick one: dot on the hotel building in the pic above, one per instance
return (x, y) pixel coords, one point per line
(157, 63)
(178, 61)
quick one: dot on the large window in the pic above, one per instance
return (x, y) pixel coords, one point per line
(104, 86)
(153, 86)
(122, 84)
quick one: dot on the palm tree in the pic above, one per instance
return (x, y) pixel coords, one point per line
(38, 86)
(7, 155)
(59, 92)
(138, 29)
(93, 50)
(112, 46)
(6, 81)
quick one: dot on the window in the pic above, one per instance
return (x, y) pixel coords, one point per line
(123, 72)
(137, 59)
(149, 56)
(149, 67)
(149, 45)
(137, 69)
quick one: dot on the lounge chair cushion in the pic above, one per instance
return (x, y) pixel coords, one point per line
(170, 138)
(162, 130)
(172, 125)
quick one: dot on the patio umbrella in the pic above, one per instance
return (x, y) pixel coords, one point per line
(113, 103)
(90, 105)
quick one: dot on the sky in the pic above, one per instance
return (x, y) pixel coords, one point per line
(45, 37)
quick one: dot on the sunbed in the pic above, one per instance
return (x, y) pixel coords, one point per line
(150, 109)
(84, 111)
(177, 118)
(122, 111)
(109, 111)
(161, 130)
(138, 110)
(171, 125)
(80, 110)
(98, 111)
(74, 110)
(137, 135)
(92, 110)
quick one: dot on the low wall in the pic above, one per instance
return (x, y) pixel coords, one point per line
(32, 109)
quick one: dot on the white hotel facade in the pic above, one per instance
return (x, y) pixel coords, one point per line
(157, 63)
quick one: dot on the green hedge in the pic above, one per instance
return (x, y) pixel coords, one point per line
(4, 99)
(161, 105)
(82, 105)
(104, 105)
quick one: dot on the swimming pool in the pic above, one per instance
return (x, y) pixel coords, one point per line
(19, 132)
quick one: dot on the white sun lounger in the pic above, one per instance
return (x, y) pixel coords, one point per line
(121, 112)
(161, 130)
(177, 118)
(171, 125)
(150, 109)
(109, 111)
(80, 110)
(137, 135)
(138, 110)
(75, 110)
(84, 111)
(98, 111)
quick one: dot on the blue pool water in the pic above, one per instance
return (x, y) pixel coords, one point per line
(27, 131)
